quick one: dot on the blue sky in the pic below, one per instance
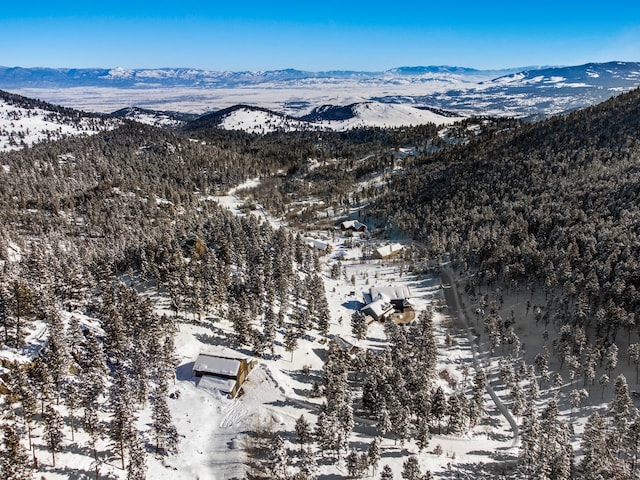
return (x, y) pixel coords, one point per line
(326, 35)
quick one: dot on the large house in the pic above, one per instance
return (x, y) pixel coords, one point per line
(353, 226)
(398, 296)
(389, 302)
(226, 374)
(378, 309)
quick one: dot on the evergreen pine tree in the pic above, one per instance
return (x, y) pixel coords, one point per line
(140, 371)
(622, 411)
(53, 426)
(456, 414)
(530, 438)
(611, 358)
(164, 432)
(323, 315)
(423, 434)
(359, 325)
(555, 454)
(56, 355)
(439, 406)
(387, 473)
(354, 465)
(384, 421)
(290, 340)
(278, 458)
(75, 341)
(6, 322)
(596, 458)
(373, 453)
(23, 388)
(42, 380)
(169, 360)
(621, 402)
(16, 464)
(71, 398)
(137, 464)
(21, 304)
(411, 468)
(91, 425)
(476, 406)
(121, 425)
(303, 431)
(309, 466)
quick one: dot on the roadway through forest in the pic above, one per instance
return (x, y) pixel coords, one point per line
(461, 318)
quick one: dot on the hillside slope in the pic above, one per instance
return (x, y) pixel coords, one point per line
(25, 121)
(557, 202)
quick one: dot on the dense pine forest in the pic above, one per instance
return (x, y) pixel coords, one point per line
(554, 203)
(548, 212)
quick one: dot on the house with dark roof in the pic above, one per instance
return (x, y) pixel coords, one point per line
(392, 302)
(353, 226)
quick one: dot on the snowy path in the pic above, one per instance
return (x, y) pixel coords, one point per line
(453, 301)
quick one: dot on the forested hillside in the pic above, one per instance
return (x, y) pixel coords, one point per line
(541, 218)
(555, 202)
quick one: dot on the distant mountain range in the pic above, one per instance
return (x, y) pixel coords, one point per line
(288, 100)
(534, 92)
(18, 77)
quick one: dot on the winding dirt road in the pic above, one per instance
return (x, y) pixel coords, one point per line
(461, 318)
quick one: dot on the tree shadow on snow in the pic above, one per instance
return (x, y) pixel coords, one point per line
(330, 476)
(493, 471)
(77, 474)
(497, 455)
(307, 378)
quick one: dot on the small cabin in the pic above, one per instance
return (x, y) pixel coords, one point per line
(226, 374)
(319, 245)
(388, 251)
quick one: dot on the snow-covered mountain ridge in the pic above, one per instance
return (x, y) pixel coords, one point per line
(24, 122)
(522, 92)
(293, 100)
(153, 117)
(364, 114)
(535, 93)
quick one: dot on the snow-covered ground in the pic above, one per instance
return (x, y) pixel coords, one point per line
(25, 126)
(291, 99)
(215, 430)
(367, 114)
(386, 115)
(258, 121)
